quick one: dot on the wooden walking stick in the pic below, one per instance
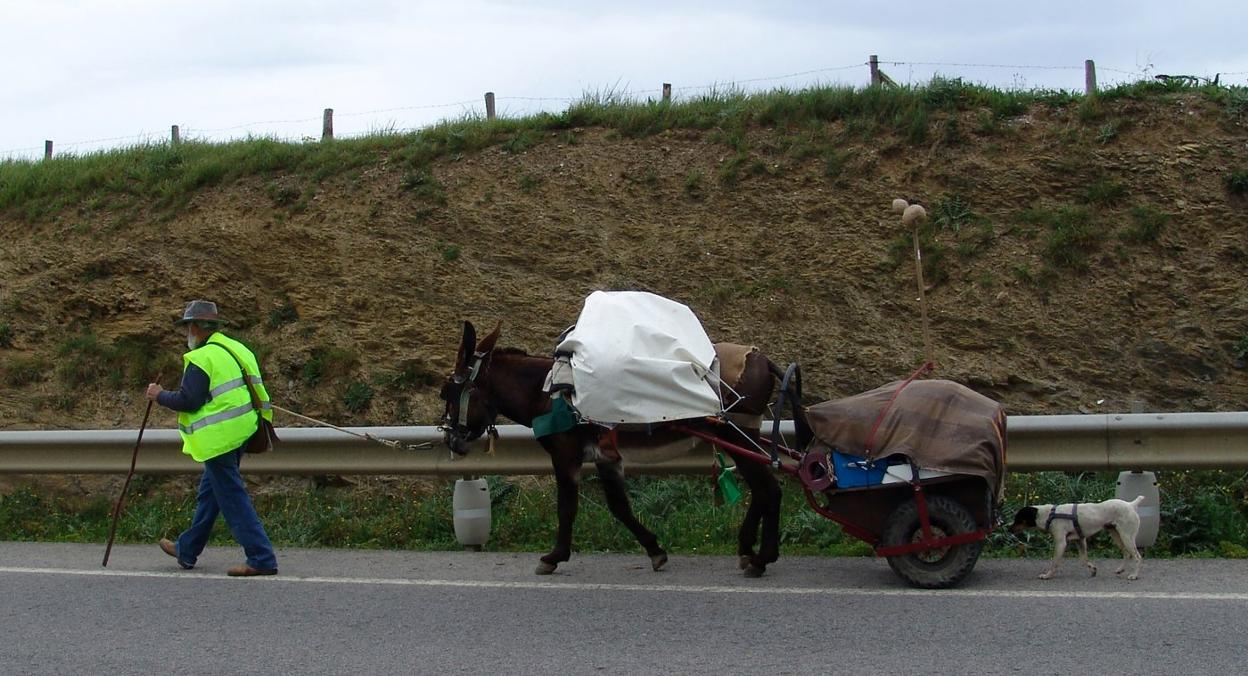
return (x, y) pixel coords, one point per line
(913, 216)
(121, 499)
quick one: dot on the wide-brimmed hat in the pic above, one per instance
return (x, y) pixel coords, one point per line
(200, 311)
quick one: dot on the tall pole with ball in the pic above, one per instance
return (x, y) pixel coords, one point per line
(913, 216)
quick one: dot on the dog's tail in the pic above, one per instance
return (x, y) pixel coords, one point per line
(1135, 504)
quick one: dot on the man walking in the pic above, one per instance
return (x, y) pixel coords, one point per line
(216, 417)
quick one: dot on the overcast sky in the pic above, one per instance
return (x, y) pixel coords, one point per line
(94, 74)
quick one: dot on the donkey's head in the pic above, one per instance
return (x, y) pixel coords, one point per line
(470, 410)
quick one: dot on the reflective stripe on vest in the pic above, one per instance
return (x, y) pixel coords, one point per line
(237, 382)
(220, 417)
(225, 421)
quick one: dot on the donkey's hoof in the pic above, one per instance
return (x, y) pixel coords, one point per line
(743, 561)
(754, 571)
(544, 568)
(658, 561)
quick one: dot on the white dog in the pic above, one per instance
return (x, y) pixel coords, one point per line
(1081, 521)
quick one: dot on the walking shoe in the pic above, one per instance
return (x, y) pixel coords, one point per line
(171, 549)
(247, 571)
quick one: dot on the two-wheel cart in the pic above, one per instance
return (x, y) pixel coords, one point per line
(914, 468)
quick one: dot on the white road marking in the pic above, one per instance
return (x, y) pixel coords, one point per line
(665, 588)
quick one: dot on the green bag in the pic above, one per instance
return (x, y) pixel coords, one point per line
(560, 419)
(726, 482)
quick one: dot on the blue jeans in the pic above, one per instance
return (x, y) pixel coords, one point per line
(222, 491)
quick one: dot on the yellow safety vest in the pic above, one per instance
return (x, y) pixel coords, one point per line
(226, 419)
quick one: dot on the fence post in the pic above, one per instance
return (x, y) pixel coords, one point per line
(47, 150)
(874, 62)
(667, 92)
(489, 105)
(1089, 77)
(175, 137)
(327, 125)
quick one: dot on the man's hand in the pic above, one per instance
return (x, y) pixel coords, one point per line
(153, 390)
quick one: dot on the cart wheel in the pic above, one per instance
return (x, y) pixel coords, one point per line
(936, 568)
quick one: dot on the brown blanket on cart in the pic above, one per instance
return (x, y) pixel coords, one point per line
(939, 424)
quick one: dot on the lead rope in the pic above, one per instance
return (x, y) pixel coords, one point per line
(399, 445)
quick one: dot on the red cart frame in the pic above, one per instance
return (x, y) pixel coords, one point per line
(863, 511)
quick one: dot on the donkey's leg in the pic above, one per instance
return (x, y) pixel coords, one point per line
(566, 459)
(765, 508)
(747, 534)
(612, 475)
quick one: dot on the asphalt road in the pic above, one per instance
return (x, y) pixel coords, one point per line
(335, 611)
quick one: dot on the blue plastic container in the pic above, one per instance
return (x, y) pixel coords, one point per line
(853, 471)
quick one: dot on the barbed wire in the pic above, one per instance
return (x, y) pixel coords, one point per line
(977, 65)
(625, 93)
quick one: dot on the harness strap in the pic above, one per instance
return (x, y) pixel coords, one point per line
(469, 385)
(1073, 517)
(791, 374)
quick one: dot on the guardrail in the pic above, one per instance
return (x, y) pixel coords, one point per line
(1108, 442)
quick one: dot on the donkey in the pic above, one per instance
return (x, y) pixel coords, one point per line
(488, 381)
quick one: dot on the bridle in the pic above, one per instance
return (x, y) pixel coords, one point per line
(455, 428)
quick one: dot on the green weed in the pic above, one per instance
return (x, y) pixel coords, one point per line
(19, 371)
(6, 335)
(730, 169)
(835, 162)
(1237, 181)
(283, 194)
(130, 361)
(529, 182)
(1022, 272)
(425, 187)
(519, 142)
(978, 241)
(1240, 351)
(1071, 236)
(287, 313)
(327, 363)
(693, 183)
(1104, 192)
(357, 396)
(1146, 225)
(951, 212)
(1107, 132)
(410, 374)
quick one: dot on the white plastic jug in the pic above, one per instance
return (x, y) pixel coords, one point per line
(471, 512)
(1134, 484)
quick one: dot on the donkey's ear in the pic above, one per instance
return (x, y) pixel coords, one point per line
(487, 343)
(465, 346)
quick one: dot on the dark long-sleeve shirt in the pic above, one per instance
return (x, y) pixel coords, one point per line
(191, 396)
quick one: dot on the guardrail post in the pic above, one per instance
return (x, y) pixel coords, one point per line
(1089, 77)
(175, 137)
(327, 125)
(489, 105)
(47, 150)
(667, 92)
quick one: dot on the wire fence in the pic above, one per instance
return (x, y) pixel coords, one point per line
(406, 119)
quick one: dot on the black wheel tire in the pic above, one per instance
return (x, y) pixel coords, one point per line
(937, 568)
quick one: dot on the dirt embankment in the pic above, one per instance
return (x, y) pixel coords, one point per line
(1075, 266)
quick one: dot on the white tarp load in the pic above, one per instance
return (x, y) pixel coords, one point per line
(641, 358)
